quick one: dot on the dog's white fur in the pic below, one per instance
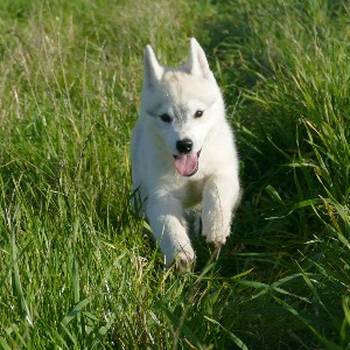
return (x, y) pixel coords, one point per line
(164, 193)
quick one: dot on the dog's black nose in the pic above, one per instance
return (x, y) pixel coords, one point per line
(184, 146)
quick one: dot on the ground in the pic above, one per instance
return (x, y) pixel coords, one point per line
(79, 270)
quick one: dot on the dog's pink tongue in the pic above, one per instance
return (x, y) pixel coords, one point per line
(186, 164)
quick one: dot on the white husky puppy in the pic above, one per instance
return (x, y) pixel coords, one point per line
(183, 154)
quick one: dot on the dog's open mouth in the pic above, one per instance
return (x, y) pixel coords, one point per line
(187, 164)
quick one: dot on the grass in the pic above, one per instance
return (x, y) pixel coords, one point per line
(79, 271)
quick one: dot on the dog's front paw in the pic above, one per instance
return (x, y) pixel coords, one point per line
(184, 261)
(217, 241)
(215, 238)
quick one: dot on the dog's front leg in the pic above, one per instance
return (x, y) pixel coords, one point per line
(221, 194)
(165, 214)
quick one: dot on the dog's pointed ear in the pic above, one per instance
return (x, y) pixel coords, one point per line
(197, 63)
(153, 70)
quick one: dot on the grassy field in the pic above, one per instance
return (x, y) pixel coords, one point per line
(79, 271)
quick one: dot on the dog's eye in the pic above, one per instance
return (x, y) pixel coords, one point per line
(166, 118)
(198, 114)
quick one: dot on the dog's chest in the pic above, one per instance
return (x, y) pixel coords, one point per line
(190, 193)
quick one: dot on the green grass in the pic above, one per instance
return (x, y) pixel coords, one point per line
(79, 271)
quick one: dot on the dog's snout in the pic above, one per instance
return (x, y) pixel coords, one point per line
(184, 146)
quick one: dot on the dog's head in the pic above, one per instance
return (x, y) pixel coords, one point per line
(181, 106)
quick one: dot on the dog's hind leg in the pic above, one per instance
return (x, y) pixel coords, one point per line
(166, 217)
